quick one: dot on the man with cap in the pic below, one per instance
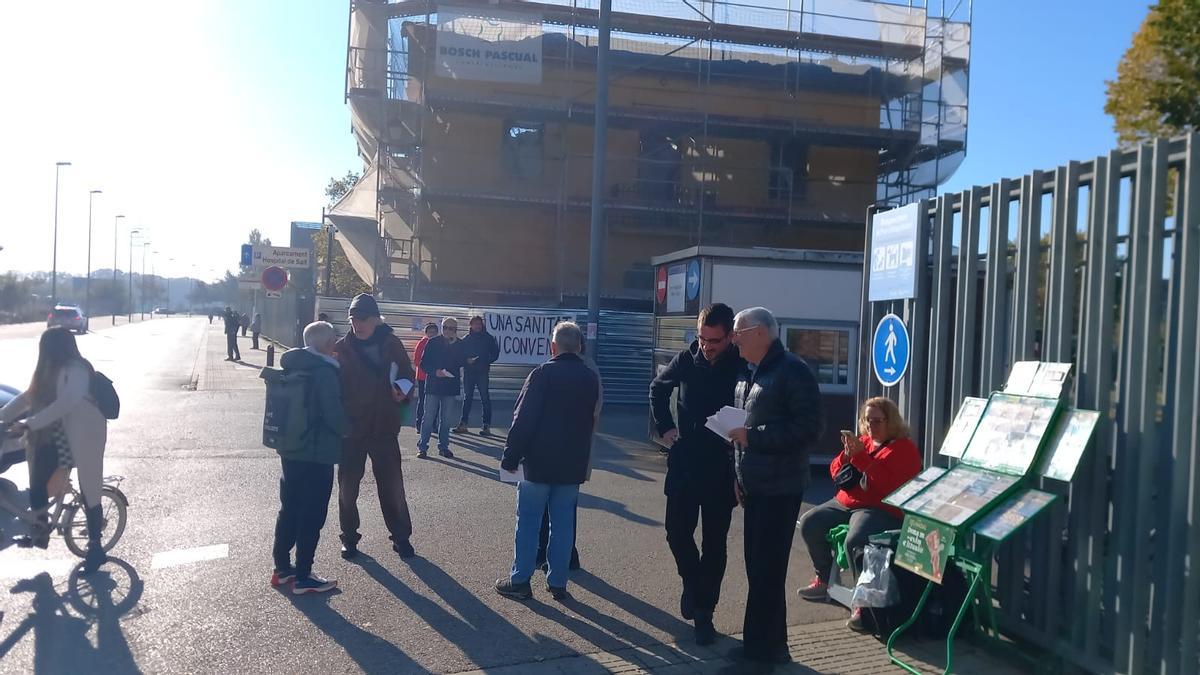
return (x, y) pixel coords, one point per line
(441, 362)
(232, 323)
(372, 360)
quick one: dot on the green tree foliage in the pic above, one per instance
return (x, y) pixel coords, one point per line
(338, 187)
(1157, 90)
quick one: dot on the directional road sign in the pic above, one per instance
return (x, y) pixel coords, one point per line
(890, 350)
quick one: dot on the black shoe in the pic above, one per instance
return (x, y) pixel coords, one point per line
(559, 594)
(738, 653)
(687, 608)
(94, 559)
(485, 431)
(349, 551)
(30, 541)
(421, 454)
(706, 632)
(404, 548)
(446, 453)
(508, 589)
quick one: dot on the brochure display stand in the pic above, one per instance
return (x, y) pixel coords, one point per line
(958, 516)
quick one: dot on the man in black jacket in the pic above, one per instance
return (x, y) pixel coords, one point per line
(783, 406)
(551, 436)
(232, 323)
(479, 351)
(440, 361)
(699, 466)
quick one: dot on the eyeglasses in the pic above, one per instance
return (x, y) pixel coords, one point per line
(875, 420)
(739, 331)
(712, 341)
(450, 329)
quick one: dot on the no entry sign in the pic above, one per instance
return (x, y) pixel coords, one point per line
(274, 279)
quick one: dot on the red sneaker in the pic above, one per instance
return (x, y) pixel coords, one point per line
(281, 577)
(817, 591)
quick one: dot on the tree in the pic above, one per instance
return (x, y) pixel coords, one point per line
(256, 238)
(1157, 90)
(338, 187)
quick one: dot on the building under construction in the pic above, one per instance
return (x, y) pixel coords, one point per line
(771, 123)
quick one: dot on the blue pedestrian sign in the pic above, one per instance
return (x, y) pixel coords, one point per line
(247, 255)
(692, 285)
(890, 350)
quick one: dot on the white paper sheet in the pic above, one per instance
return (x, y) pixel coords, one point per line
(513, 476)
(725, 420)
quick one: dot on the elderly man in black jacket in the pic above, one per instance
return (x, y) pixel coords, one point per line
(551, 437)
(783, 406)
(699, 464)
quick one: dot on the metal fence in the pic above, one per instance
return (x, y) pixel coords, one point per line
(1097, 263)
(623, 359)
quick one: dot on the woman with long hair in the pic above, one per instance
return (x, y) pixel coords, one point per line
(63, 427)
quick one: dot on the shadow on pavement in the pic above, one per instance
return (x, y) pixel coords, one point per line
(589, 501)
(60, 636)
(652, 615)
(372, 653)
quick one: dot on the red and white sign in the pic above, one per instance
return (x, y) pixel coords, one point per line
(274, 279)
(660, 285)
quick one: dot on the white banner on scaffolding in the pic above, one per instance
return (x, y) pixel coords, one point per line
(496, 47)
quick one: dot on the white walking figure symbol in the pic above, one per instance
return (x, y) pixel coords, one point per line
(890, 342)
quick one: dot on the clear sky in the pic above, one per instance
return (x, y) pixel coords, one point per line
(202, 120)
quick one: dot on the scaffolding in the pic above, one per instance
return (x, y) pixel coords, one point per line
(743, 119)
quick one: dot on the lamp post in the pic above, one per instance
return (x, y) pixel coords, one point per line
(116, 228)
(143, 302)
(87, 282)
(130, 308)
(54, 270)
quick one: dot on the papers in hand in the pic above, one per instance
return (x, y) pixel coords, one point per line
(513, 476)
(403, 384)
(725, 420)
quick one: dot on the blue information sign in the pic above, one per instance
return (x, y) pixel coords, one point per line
(893, 254)
(247, 255)
(693, 280)
(890, 350)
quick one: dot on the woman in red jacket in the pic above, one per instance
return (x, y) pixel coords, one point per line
(868, 469)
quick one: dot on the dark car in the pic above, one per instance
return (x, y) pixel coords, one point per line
(67, 316)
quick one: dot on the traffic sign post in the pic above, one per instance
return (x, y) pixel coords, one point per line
(890, 350)
(274, 279)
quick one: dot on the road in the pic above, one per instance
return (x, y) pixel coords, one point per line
(188, 592)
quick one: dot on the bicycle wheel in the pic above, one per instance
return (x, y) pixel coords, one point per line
(113, 506)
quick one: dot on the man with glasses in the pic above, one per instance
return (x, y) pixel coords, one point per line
(699, 464)
(441, 362)
(783, 420)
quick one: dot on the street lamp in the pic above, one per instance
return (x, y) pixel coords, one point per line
(131, 233)
(87, 282)
(54, 271)
(116, 227)
(143, 302)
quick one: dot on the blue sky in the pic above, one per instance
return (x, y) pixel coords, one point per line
(223, 115)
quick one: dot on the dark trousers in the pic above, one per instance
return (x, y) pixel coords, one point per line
(476, 380)
(700, 569)
(254, 340)
(42, 466)
(231, 347)
(544, 541)
(863, 523)
(389, 480)
(770, 522)
(304, 490)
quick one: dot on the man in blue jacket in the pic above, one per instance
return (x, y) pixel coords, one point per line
(479, 351)
(551, 437)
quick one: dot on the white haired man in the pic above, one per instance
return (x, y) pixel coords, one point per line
(783, 420)
(551, 437)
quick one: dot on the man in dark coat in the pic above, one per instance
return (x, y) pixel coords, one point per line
(551, 439)
(783, 420)
(700, 463)
(372, 359)
(479, 351)
(232, 323)
(441, 362)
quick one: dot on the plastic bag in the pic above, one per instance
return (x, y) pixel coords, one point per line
(877, 585)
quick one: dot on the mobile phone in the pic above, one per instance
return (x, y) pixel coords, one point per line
(847, 433)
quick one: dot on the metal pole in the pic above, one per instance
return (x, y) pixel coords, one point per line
(328, 251)
(87, 282)
(129, 307)
(599, 149)
(116, 228)
(142, 304)
(54, 264)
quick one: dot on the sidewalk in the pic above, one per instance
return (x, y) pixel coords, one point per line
(827, 647)
(214, 373)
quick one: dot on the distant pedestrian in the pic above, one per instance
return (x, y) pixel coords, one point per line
(479, 351)
(700, 463)
(551, 439)
(372, 358)
(210, 318)
(244, 321)
(431, 331)
(307, 478)
(232, 322)
(783, 420)
(255, 330)
(323, 317)
(441, 362)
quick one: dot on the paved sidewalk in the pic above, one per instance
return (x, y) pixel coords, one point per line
(214, 373)
(826, 647)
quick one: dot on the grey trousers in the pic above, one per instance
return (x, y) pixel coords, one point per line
(863, 523)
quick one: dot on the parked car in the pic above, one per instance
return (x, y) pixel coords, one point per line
(69, 317)
(163, 311)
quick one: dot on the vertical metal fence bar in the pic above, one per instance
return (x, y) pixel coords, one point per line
(1060, 279)
(995, 327)
(917, 319)
(1142, 387)
(866, 311)
(939, 337)
(966, 299)
(1025, 278)
(1182, 616)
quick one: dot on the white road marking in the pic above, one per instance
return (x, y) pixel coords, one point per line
(184, 556)
(27, 569)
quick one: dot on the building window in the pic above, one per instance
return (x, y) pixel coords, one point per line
(789, 169)
(826, 351)
(522, 147)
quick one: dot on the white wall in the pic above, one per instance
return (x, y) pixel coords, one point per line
(809, 293)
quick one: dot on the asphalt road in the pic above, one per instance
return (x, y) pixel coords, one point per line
(189, 593)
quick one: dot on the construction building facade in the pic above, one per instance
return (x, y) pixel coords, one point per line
(768, 123)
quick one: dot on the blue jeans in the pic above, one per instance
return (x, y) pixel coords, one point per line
(532, 500)
(437, 411)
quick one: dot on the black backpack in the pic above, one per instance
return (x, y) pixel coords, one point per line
(105, 396)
